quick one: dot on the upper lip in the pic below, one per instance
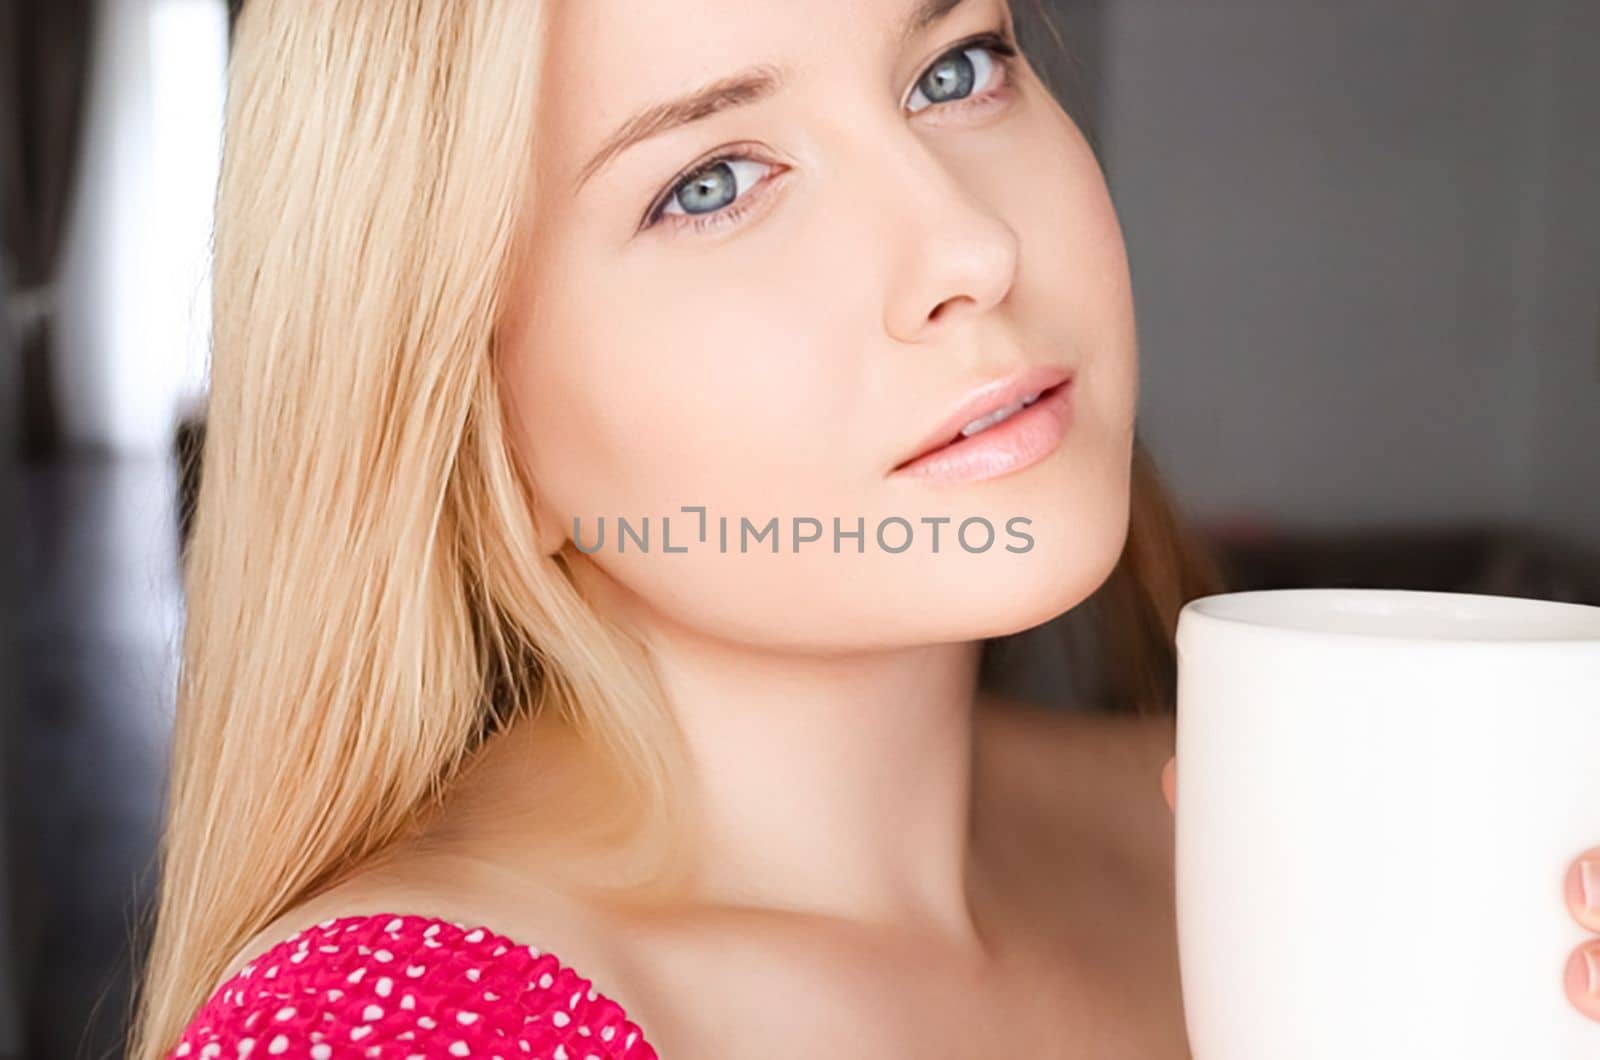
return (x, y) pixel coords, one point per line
(996, 394)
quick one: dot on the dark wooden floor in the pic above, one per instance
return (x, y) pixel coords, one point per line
(98, 629)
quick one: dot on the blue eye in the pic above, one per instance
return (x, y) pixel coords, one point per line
(713, 186)
(712, 192)
(952, 78)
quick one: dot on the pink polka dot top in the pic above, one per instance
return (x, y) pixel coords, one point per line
(408, 987)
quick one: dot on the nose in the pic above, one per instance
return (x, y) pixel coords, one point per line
(951, 254)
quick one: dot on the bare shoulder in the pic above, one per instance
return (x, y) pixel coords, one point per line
(463, 890)
(1071, 750)
(1078, 775)
(1073, 803)
(474, 865)
(361, 895)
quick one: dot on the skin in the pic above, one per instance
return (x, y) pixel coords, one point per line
(655, 369)
(894, 863)
(1071, 886)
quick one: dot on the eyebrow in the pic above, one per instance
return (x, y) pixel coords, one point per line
(747, 86)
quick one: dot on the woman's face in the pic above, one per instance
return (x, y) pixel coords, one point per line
(901, 215)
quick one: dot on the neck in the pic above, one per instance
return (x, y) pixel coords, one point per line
(835, 785)
(829, 784)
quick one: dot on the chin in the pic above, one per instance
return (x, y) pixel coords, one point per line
(1018, 603)
(1010, 593)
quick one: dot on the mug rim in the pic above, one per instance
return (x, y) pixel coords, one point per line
(1411, 615)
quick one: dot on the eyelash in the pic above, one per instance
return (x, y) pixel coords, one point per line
(999, 42)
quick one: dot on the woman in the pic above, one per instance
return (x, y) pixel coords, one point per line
(458, 772)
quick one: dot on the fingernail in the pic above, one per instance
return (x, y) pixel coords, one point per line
(1589, 873)
(1591, 959)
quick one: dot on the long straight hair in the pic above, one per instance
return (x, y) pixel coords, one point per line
(365, 607)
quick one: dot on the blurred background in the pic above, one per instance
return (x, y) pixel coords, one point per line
(1365, 241)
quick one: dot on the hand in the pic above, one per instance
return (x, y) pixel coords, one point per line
(1583, 902)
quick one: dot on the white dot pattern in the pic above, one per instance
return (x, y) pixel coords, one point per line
(409, 987)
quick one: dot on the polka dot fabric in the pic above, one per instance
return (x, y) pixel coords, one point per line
(408, 987)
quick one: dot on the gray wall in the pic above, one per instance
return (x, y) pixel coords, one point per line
(1559, 323)
(1363, 238)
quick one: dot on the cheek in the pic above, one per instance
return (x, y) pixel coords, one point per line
(650, 392)
(1075, 274)
(682, 395)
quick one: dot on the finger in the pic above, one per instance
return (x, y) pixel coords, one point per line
(1169, 783)
(1583, 888)
(1583, 979)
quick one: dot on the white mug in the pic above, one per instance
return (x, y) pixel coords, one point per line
(1379, 792)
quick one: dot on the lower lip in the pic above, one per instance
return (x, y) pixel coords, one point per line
(1024, 439)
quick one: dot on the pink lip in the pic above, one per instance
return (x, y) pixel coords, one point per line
(1023, 438)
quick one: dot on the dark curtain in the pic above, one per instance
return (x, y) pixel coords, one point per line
(12, 863)
(44, 70)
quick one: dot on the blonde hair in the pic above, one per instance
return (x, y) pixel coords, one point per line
(366, 605)
(365, 601)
